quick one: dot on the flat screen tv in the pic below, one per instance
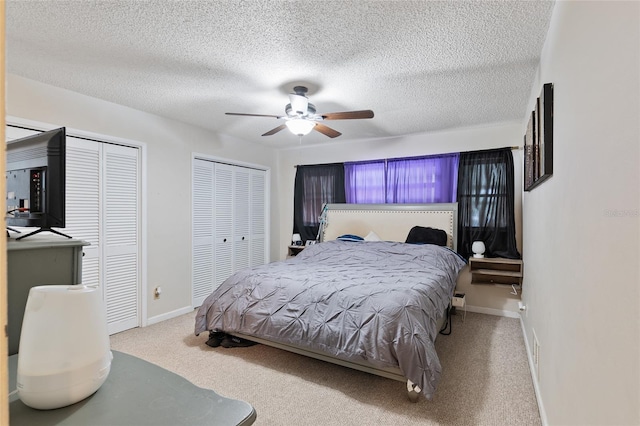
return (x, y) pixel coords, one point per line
(36, 182)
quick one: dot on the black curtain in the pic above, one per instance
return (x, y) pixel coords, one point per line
(314, 186)
(485, 203)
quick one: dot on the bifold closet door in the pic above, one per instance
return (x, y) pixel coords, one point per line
(121, 236)
(229, 223)
(223, 223)
(12, 133)
(202, 258)
(84, 203)
(241, 219)
(258, 224)
(103, 204)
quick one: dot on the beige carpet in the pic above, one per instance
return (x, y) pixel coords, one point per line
(485, 380)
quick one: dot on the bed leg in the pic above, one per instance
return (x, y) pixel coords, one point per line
(413, 391)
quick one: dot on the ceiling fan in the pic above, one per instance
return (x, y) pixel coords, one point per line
(301, 117)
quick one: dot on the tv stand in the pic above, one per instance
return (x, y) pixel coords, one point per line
(37, 231)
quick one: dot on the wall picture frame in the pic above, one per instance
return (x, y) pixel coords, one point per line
(528, 153)
(538, 141)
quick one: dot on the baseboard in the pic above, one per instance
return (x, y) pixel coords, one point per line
(491, 311)
(536, 387)
(169, 315)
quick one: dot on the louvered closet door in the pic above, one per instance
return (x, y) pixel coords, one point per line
(229, 223)
(203, 214)
(12, 133)
(241, 218)
(223, 222)
(83, 203)
(258, 250)
(121, 236)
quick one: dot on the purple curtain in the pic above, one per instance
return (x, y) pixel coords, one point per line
(432, 179)
(365, 182)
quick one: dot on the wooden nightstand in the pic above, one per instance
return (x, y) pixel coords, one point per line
(495, 270)
(294, 250)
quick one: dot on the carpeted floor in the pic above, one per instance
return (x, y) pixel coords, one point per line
(485, 380)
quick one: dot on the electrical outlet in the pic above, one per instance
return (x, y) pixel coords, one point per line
(157, 292)
(536, 355)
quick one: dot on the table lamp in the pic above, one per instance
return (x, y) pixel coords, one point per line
(296, 240)
(64, 354)
(478, 249)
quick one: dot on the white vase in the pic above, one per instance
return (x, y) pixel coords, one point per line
(64, 354)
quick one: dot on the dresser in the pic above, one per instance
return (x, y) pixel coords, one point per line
(37, 260)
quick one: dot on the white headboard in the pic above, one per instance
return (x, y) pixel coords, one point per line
(391, 222)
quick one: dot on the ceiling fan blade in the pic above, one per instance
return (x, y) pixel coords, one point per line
(275, 130)
(327, 131)
(348, 115)
(254, 115)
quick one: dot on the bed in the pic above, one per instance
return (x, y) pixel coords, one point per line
(374, 305)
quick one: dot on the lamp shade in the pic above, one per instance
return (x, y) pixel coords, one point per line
(300, 126)
(478, 249)
(64, 354)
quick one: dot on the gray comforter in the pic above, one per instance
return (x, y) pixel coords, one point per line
(359, 301)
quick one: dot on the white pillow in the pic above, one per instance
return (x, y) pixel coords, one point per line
(372, 236)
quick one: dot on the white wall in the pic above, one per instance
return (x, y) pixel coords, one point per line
(170, 145)
(581, 227)
(489, 298)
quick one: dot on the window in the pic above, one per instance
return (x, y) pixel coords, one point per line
(431, 179)
(365, 182)
(485, 203)
(314, 186)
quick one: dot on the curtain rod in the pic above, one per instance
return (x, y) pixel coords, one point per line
(513, 148)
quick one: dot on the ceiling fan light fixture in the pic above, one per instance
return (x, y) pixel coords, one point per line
(301, 117)
(299, 104)
(300, 127)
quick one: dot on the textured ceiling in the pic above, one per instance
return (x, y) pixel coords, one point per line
(419, 65)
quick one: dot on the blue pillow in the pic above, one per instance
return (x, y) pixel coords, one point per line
(349, 237)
